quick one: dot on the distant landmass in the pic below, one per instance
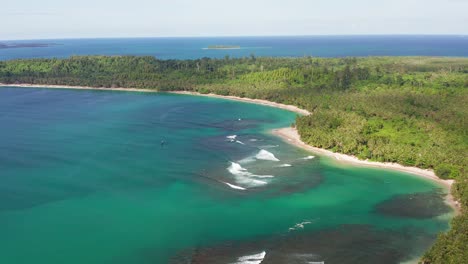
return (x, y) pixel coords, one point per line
(224, 47)
(25, 45)
(288, 46)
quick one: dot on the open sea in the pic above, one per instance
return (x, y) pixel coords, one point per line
(103, 177)
(193, 48)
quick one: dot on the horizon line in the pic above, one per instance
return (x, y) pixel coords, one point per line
(238, 36)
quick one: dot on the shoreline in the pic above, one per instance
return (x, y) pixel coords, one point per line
(288, 134)
(55, 86)
(291, 108)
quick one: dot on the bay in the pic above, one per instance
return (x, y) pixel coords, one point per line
(123, 177)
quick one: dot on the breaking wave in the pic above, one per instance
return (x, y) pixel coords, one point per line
(244, 177)
(251, 259)
(247, 160)
(237, 170)
(232, 138)
(299, 225)
(234, 186)
(266, 155)
(308, 158)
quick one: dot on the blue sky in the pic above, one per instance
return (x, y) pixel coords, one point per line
(33, 19)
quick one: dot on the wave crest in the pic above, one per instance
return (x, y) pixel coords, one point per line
(266, 155)
(234, 186)
(252, 259)
(232, 138)
(244, 177)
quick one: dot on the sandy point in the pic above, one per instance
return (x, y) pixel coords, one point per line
(291, 136)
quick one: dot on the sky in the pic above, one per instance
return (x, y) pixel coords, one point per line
(45, 19)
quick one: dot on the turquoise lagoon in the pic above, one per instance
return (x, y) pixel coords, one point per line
(84, 178)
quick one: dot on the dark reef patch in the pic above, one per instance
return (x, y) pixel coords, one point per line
(417, 205)
(343, 244)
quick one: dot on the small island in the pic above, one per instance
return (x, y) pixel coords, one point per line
(223, 47)
(24, 45)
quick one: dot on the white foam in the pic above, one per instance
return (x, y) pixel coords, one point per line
(240, 142)
(244, 177)
(308, 158)
(247, 160)
(253, 139)
(237, 169)
(263, 176)
(232, 138)
(234, 186)
(299, 225)
(285, 165)
(252, 259)
(266, 155)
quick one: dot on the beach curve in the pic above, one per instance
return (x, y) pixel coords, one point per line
(288, 134)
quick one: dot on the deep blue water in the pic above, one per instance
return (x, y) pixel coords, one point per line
(192, 48)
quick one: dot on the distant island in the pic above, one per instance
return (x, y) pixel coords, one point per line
(222, 47)
(24, 45)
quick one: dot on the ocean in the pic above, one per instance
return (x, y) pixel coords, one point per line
(102, 177)
(194, 48)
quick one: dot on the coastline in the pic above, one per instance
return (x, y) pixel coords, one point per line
(291, 136)
(291, 108)
(54, 86)
(288, 134)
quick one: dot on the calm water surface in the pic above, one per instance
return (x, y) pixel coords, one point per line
(193, 48)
